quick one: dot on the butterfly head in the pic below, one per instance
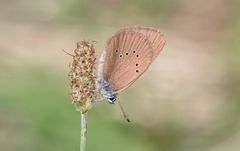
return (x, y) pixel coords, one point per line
(106, 91)
(109, 95)
(112, 99)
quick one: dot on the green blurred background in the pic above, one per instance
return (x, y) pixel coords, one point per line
(188, 100)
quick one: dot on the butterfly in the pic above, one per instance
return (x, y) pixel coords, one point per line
(127, 55)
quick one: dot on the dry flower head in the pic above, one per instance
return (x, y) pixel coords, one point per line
(82, 76)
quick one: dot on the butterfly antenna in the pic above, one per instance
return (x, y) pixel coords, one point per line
(124, 113)
(67, 53)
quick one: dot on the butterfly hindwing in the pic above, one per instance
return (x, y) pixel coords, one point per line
(109, 58)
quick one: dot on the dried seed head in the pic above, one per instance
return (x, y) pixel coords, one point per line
(82, 76)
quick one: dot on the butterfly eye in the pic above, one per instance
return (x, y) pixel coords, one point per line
(111, 99)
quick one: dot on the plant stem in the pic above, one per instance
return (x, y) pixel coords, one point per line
(83, 136)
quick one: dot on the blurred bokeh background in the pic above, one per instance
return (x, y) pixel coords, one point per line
(188, 100)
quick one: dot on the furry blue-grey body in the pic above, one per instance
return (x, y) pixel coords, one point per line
(102, 85)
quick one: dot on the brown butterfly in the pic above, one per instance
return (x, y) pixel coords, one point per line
(127, 55)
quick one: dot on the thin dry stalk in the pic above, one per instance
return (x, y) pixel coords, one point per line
(83, 135)
(82, 82)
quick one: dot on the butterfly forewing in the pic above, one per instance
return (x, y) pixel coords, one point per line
(156, 38)
(129, 53)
